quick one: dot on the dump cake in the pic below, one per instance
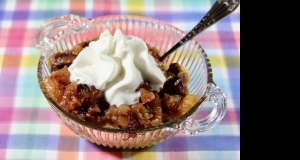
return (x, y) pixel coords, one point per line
(116, 81)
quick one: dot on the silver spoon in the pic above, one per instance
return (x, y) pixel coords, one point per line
(219, 10)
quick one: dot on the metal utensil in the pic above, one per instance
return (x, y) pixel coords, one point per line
(219, 10)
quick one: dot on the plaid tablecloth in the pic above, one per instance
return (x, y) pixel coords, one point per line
(29, 129)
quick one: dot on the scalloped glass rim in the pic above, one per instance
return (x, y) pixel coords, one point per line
(170, 124)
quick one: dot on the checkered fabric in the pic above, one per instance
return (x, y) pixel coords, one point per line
(29, 129)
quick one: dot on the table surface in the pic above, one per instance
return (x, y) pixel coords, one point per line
(29, 129)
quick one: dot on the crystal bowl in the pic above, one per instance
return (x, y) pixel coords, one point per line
(62, 33)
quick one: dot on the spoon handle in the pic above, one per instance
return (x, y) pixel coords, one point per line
(219, 10)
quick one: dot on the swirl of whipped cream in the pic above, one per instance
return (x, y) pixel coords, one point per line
(117, 65)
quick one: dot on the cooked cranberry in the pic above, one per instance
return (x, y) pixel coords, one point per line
(83, 88)
(173, 86)
(134, 121)
(175, 68)
(61, 60)
(85, 44)
(84, 109)
(103, 104)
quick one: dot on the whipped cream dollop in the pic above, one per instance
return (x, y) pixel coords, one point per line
(117, 65)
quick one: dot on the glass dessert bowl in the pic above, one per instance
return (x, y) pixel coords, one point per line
(64, 33)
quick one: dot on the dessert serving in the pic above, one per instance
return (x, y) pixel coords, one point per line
(117, 82)
(102, 78)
